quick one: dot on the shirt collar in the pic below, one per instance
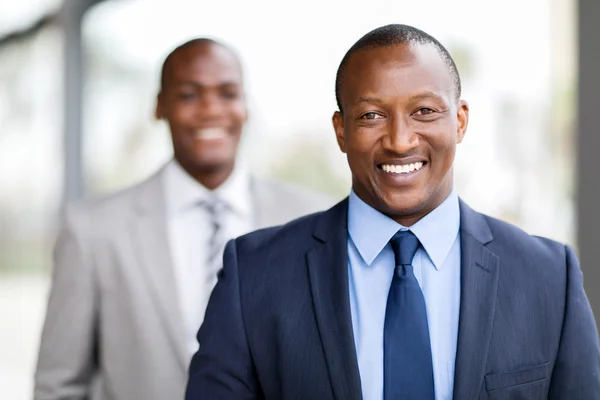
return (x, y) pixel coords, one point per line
(371, 230)
(183, 191)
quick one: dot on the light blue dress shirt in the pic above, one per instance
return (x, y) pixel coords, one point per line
(437, 268)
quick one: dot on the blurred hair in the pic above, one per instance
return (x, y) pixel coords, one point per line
(189, 44)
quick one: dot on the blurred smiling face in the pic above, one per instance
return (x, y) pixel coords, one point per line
(203, 101)
(400, 126)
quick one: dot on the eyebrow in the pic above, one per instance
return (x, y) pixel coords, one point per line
(419, 96)
(426, 95)
(227, 84)
(369, 100)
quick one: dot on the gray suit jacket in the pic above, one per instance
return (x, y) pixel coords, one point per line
(113, 328)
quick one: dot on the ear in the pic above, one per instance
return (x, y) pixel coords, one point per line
(338, 126)
(462, 116)
(158, 111)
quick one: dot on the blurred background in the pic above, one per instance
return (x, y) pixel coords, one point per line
(78, 82)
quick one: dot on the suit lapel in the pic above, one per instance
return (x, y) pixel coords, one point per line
(328, 274)
(479, 282)
(150, 239)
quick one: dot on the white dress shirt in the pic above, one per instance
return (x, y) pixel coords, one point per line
(189, 232)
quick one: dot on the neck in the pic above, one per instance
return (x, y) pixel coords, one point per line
(210, 178)
(437, 199)
(212, 181)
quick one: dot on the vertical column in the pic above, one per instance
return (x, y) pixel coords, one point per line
(588, 147)
(70, 18)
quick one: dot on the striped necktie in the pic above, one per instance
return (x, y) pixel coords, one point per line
(216, 209)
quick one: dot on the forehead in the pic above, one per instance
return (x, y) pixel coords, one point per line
(394, 71)
(208, 64)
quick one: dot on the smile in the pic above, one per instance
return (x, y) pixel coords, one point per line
(403, 169)
(210, 134)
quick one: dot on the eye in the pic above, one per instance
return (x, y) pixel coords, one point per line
(424, 111)
(371, 115)
(187, 95)
(229, 94)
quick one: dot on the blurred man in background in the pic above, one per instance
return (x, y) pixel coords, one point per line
(133, 271)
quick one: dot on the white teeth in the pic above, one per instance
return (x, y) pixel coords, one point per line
(402, 169)
(211, 133)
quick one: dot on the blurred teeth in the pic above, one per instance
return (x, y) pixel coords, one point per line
(210, 133)
(402, 169)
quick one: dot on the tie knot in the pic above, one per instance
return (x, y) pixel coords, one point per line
(405, 244)
(214, 206)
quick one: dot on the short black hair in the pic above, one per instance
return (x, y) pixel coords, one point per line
(191, 43)
(396, 34)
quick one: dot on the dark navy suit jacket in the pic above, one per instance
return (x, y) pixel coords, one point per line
(278, 324)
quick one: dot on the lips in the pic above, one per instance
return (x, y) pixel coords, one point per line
(402, 168)
(211, 134)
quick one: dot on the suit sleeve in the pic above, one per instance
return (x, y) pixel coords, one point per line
(576, 373)
(66, 356)
(222, 369)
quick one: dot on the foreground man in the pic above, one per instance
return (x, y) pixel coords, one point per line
(400, 291)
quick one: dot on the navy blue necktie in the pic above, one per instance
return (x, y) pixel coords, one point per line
(407, 364)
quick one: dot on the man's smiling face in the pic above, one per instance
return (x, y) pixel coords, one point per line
(399, 126)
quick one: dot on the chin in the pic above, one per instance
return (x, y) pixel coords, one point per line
(404, 199)
(205, 166)
(405, 208)
(405, 204)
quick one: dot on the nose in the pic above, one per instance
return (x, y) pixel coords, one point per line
(400, 137)
(211, 106)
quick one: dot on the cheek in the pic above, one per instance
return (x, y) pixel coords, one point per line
(176, 131)
(361, 146)
(360, 159)
(238, 113)
(363, 142)
(180, 121)
(449, 149)
(442, 142)
(181, 144)
(443, 157)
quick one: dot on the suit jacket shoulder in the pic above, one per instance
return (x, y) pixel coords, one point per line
(527, 251)
(107, 213)
(529, 289)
